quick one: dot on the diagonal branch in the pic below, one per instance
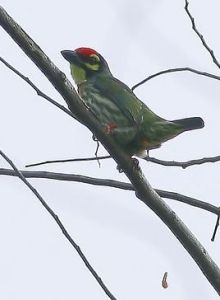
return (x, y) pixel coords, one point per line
(174, 70)
(38, 91)
(211, 52)
(112, 183)
(183, 164)
(143, 189)
(60, 224)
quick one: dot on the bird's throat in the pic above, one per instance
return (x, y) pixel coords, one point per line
(78, 74)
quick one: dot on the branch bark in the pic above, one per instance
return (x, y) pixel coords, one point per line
(112, 183)
(143, 189)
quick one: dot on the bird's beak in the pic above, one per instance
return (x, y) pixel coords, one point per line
(70, 56)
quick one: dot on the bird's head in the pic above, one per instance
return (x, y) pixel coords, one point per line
(85, 63)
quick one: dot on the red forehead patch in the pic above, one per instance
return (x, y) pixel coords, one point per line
(85, 51)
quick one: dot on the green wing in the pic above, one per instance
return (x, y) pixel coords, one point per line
(149, 125)
(119, 93)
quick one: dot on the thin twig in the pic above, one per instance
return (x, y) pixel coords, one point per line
(211, 52)
(38, 91)
(112, 183)
(68, 160)
(173, 70)
(183, 164)
(61, 226)
(215, 229)
(167, 163)
(97, 149)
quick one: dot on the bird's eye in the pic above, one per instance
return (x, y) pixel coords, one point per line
(94, 59)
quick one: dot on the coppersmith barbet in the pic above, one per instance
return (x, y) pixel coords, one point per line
(130, 122)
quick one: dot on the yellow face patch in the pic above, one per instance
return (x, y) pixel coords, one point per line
(78, 73)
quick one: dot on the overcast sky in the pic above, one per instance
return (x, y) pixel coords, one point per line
(126, 242)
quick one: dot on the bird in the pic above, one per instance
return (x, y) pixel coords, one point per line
(131, 123)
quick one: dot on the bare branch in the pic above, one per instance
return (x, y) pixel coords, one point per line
(38, 91)
(68, 160)
(167, 163)
(211, 52)
(112, 183)
(183, 164)
(61, 226)
(143, 189)
(174, 70)
(215, 229)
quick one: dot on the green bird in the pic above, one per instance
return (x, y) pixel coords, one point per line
(130, 122)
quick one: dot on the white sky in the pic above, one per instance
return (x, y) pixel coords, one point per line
(125, 242)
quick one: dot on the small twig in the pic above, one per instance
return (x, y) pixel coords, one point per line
(68, 160)
(216, 228)
(112, 183)
(38, 91)
(97, 149)
(173, 70)
(61, 226)
(183, 164)
(166, 163)
(211, 52)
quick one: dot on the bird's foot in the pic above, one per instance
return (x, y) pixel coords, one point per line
(135, 164)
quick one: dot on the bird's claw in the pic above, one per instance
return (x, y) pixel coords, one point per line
(135, 164)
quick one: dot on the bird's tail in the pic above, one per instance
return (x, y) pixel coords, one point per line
(190, 123)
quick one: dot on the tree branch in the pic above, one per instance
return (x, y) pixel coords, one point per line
(183, 164)
(166, 163)
(60, 224)
(174, 70)
(215, 229)
(112, 183)
(85, 159)
(38, 91)
(143, 189)
(211, 52)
